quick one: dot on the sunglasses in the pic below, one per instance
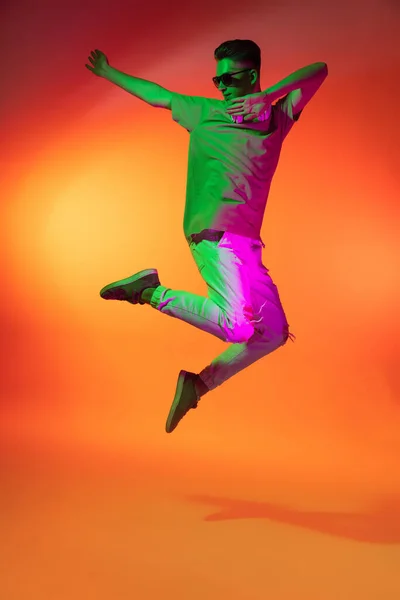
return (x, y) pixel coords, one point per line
(227, 78)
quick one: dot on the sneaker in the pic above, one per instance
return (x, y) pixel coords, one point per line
(185, 398)
(130, 289)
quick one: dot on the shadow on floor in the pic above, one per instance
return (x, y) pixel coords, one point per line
(381, 525)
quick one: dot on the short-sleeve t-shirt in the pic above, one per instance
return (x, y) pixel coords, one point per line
(230, 165)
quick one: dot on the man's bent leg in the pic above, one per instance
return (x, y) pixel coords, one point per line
(271, 329)
(201, 312)
(272, 335)
(226, 313)
(243, 306)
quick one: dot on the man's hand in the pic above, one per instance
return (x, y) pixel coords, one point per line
(99, 62)
(251, 107)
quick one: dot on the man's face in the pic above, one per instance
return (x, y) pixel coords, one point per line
(242, 84)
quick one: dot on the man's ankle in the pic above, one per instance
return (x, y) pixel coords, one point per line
(146, 295)
(200, 386)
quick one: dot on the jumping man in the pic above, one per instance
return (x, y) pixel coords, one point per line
(235, 144)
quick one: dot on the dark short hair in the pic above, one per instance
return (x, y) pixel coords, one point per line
(241, 51)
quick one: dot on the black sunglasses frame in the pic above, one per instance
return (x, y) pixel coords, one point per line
(226, 78)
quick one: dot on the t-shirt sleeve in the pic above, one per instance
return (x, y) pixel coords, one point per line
(286, 118)
(189, 111)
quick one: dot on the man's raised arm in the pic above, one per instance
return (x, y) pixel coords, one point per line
(149, 92)
(300, 86)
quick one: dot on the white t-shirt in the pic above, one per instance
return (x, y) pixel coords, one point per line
(230, 165)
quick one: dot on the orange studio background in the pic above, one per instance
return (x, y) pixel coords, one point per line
(285, 483)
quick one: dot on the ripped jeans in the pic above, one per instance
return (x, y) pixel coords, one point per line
(243, 305)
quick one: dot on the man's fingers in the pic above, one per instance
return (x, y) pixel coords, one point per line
(235, 109)
(237, 104)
